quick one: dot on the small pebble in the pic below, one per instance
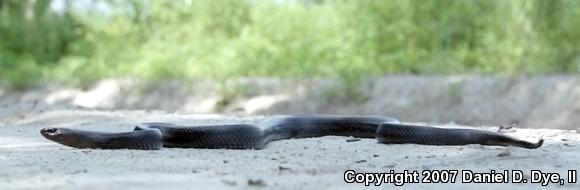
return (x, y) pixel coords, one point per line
(390, 165)
(504, 153)
(80, 171)
(256, 182)
(361, 161)
(503, 127)
(229, 182)
(282, 168)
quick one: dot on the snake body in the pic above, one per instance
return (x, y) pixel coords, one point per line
(153, 136)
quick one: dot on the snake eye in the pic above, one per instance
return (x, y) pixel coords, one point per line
(50, 131)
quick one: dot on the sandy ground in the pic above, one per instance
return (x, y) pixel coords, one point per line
(27, 161)
(532, 101)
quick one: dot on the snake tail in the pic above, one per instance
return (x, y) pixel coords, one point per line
(390, 133)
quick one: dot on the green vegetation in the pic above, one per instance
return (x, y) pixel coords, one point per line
(220, 39)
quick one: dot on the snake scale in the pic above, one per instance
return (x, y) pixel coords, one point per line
(153, 136)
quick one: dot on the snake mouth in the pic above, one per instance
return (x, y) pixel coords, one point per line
(50, 131)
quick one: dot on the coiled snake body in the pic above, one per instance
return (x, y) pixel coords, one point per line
(152, 136)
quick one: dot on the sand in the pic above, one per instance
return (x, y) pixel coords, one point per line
(28, 161)
(532, 101)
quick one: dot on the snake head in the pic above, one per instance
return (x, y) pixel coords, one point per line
(59, 135)
(51, 133)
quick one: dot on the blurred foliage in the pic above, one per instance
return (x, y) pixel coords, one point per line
(160, 39)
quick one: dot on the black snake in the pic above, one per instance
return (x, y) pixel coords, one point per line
(153, 136)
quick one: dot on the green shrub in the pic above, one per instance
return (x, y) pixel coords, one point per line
(350, 39)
